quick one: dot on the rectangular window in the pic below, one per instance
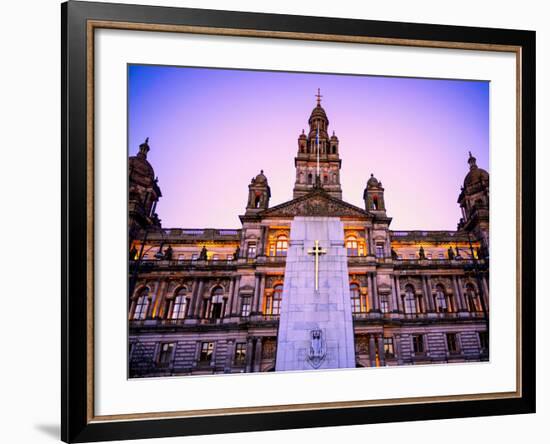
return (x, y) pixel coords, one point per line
(194, 257)
(216, 257)
(181, 257)
(229, 257)
(145, 257)
(418, 344)
(400, 257)
(165, 354)
(388, 348)
(429, 256)
(245, 307)
(379, 250)
(240, 353)
(384, 304)
(207, 350)
(441, 256)
(251, 251)
(452, 343)
(412, 256)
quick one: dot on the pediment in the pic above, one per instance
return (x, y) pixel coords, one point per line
(316, 203)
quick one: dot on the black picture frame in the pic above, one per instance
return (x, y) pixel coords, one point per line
(77, 425)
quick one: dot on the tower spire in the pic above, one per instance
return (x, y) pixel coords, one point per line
(317, 140)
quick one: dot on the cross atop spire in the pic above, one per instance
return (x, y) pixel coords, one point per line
(318, 95)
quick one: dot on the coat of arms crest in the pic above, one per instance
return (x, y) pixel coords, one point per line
(317, 349)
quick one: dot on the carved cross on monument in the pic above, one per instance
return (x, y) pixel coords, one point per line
(317, 250)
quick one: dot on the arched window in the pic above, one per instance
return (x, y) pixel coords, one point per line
(472, 299)
(309, 178)
(351, 246)
(273, 301)
(179, 310)
(410, 300)
(216, 303)
(281, 246)
(325, 179)
(440, 299)
(358, 300)
(142, 304)
(257, 200)
(375, 202)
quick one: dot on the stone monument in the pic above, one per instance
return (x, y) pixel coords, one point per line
(316, 327)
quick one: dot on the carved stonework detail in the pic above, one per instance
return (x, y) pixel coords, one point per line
(361, 345)
(269, 348)
(317, 349)
(272, 280)
(317, 203)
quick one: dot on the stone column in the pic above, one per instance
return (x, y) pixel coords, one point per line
(370, 291)
(394, 303)
(457, 297)
(249, 348)
(367, 241)
(258, 354)
(375, 299)
(263, 241)
(256, 294)
(198, 299)
(371, 242)
(388, 245)
(235, 299)
(381, 353)
(158, 310)
(153, 296)
(424, 294)
(398, 294)
(372, 350)
(429, 294)
(193, 302)
(461, 293)
(227, 311)
(261, 294)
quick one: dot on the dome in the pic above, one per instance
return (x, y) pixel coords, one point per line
(373, 181)
(476, 174)
(260, 178)
(303, 135)
(333, 137)
(139, 165)
(318, 113)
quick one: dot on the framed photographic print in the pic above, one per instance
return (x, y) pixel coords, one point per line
(276, 221)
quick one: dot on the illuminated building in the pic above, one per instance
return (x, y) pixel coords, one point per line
(206, 301)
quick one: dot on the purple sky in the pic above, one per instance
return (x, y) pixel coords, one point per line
(212, 130)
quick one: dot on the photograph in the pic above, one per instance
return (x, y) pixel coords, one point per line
(305, 221)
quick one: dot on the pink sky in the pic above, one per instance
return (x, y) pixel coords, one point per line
(212, 130)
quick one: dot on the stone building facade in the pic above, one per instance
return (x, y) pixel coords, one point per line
(204, 301)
